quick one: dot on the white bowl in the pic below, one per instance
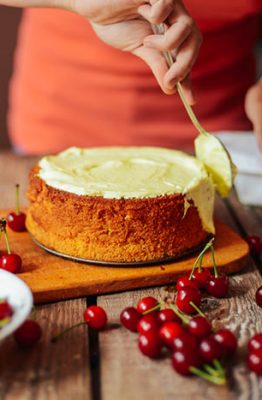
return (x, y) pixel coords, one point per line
(19, 296)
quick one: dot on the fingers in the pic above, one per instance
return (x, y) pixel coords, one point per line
(157, 63)
(173, 37)
(185, 59)
(158, 12)
(182, 39)
(253, 107)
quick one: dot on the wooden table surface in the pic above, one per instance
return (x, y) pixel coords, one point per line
(107, 365)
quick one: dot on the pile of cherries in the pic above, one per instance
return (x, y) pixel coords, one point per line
(195, 348)
(194, 345)
(15, 220)
(188, 286)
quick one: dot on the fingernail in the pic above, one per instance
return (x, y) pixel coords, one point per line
(191, 101)
(170, 90)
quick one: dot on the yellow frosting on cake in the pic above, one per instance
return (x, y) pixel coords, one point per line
(132, 172)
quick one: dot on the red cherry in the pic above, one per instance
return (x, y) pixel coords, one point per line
(95, 317)
(184, 281)
(259, 296)
(218, 287)
(255, 244)
(16, 222)
(147, 323)
(185, 342)
(255, 343)
(210, 349)
(201, 277)
(5, 310)
(227, 341)
(254, 362)
(169, 331)
(185, 296)
(183, 360)
(150, 344)
(28, 333)
(129, 318)
(11, 262)
(146, 304)
(199, 326)
(167, 315)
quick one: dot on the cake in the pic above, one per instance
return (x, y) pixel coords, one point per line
(120, 204)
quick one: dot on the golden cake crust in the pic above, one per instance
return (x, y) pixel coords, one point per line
(113, 230)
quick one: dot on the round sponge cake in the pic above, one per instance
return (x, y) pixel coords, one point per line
(120, 204)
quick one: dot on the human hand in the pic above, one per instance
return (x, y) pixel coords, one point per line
(126, 25)
(253, 107)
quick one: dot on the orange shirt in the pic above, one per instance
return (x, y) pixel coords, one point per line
(71, 89)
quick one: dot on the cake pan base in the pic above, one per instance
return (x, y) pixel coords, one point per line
(120, 264)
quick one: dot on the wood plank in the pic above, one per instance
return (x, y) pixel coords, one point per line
(126, 374)
(156, 379)
(50, 371)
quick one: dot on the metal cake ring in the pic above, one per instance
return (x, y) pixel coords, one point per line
(120, 264)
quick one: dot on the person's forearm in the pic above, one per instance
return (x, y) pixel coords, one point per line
(36, 3)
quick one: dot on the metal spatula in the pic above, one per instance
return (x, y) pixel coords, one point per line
(209, 149)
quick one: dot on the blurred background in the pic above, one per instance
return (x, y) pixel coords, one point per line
(9, 20)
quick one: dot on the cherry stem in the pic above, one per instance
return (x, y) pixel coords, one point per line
(197, 309)
(214, 261)
(200, 263)
(218, 366)
(180, 315)
(212, 371)
(3, 229)
(61, 334)
(17, 199)
(200, 258)
(2, 224)
(218, 380)
(156, 307)
(4, 322)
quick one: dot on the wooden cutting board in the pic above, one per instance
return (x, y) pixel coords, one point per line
(52, 278)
